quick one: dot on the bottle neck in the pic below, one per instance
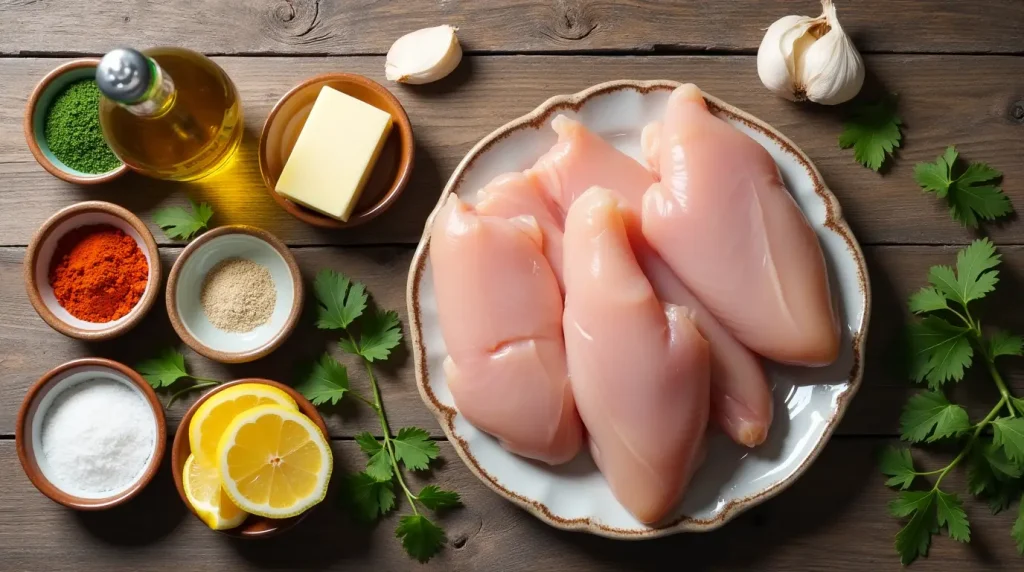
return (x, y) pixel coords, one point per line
(158, 99)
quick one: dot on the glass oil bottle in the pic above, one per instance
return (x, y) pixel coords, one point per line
(169, 113)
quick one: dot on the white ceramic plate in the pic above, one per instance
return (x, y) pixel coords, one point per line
(809, 401)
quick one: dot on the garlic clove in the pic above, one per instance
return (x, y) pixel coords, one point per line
(423, 56)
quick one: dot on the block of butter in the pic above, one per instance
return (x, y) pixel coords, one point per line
(334, 154)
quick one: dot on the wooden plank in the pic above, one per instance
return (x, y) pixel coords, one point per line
(28, 347)
(367, 27)
(835, 513)
(973, 108)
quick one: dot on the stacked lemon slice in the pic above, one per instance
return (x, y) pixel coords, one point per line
(253, 452)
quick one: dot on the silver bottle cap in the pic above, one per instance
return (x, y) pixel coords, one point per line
(124, 75)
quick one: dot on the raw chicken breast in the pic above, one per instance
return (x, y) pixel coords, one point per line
(741, 397)
(500, 311)
(722, 218)
(640, 370)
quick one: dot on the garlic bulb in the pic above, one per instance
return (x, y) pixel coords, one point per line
(423, 56)
(804, 58)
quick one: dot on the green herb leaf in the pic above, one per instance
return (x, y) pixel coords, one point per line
(873, 130)
(421, 538)
(1008, 433)
(435, 498)
(414, 448)
(899, 466)
(927, 300)
(182, 224)
(1002, 343)
(975, 276)
(164, 370)
(939, 351)
(368, 443)
(1003, 469)
(379, 464)
(326, 382)
(971, 194)
(341, 300)
(369, 498)
(915, 538)
(980, 478)
(379, 333)
(929, 417)
(1017, 532)
(950, 513)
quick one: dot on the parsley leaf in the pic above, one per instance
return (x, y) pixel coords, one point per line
(369, 498)
(162, 371)
(927, 300)
(1018, 527)
(379, 465)
(368, 443)
(950, 513)
(1004, 344)
(939, 351)
(379, 333)
(341, 300)
(915, 538)
(980, 478)
(971, 194)
(414, 448)
(929, 416)
(1008, 433)
(899, 466)
(326, 382)
(435, 498)
(179, 223)
(873, 130)
(421, 538)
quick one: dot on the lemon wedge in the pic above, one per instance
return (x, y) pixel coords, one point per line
(214, 415)
(274, 462)
(207, 497)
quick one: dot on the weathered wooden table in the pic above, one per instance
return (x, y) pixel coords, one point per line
(957, 66)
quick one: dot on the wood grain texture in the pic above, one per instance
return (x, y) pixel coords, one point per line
(835, 514)
(28, 347)
(369, 27)
(976, 103)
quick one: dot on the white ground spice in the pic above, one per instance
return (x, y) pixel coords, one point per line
(238, 295)
(97, 436)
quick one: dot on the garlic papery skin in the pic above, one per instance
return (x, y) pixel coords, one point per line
(803, 58)
(423, 56)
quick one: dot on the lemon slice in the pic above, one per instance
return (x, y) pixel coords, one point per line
(207, 497)
(274, 462)
(215, 413)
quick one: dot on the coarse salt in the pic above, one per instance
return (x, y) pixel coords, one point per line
(97, 437)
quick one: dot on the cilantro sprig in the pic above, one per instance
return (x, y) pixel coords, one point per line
(944, 344)
(873, 130)
(178, 223)
(370, 494)
(971, 191)
(165, 370)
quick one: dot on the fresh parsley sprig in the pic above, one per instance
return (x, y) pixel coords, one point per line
(972, 191)
(873, 130)
(165, 370)
(943, 345)
(178, 223)
(371, 493)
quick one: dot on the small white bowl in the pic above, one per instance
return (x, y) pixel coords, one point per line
(185, 284)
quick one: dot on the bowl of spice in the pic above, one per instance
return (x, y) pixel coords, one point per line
(62, 126)
(90, 434)
(234, 294)
(92, 271)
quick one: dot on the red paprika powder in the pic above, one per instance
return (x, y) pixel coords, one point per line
(98, 273)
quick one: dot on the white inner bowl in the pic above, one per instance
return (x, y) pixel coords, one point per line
(62, 383)
(190, 285)
(49, 246)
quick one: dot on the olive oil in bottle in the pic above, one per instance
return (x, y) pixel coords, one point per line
(168, 113)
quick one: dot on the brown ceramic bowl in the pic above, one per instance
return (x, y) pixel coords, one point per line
(34, 123)
(254, 526)
(184, 288)
(33, 409)
(390, 173)
(40, 254)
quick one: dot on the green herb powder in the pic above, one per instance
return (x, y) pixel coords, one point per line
(73, 130)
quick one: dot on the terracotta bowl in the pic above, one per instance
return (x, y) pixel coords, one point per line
(254, 526)
(391, 172)
(40, 253)
(34, 123)
(32, 413)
